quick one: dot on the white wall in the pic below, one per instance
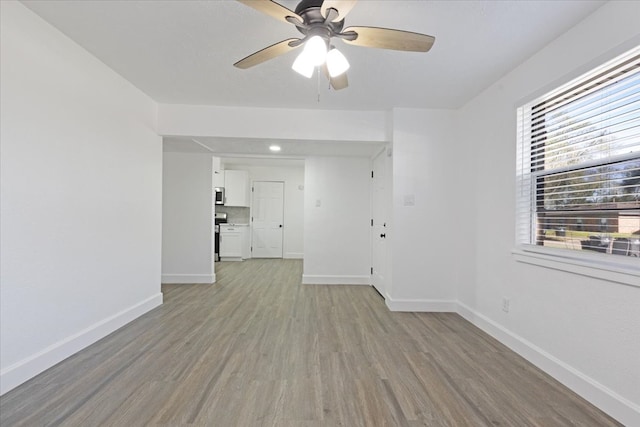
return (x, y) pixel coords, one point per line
(585, 331)
(187, 208)
(80, 198)
(431, 240)
(293, 178)
(337, 232)
(273, 123)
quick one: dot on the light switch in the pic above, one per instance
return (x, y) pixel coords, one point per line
(318, 203)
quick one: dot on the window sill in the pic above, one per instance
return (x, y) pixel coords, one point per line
(625, 270)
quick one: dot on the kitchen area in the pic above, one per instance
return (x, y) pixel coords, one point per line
(231, 212)
(258, 206)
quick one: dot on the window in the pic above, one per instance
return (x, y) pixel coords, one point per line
(578, 170)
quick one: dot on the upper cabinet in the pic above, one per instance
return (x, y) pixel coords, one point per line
(236, 187)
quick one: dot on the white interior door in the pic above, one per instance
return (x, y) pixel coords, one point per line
(267, 219)
(379, 228)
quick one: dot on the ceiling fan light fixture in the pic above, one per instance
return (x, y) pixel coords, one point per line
(274, 148)
(337, 63)
(316, 49)
(303, 65)
(319, 21)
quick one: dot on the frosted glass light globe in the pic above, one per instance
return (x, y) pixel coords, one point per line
(336, 63)
(316, 49)
(303, 65)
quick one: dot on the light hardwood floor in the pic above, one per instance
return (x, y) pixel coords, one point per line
(260, 349)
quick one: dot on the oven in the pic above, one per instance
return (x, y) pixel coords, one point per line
(220, 218)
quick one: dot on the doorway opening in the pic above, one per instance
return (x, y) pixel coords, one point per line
(379, 221)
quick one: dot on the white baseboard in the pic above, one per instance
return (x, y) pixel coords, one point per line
(171, 279)
(435, 306)
(623, 410)
(311, 279)
(16, 374)
(294, 255)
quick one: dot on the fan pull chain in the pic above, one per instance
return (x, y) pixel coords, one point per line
(318, 87)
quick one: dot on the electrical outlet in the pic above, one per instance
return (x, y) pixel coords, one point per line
(505, 304)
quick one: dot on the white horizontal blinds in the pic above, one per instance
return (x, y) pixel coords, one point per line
(596, 119)
(524, 193)
(579, 162)
(611, 186)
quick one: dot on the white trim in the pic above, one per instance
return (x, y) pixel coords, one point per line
(421, 305)
(312, 279)
(293, 255)
(607, 400)
(612, 268)
(171, 279)
(23, 370)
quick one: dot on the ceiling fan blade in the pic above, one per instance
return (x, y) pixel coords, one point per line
(342, 6)
(272, 9)
(266, 54)
(338, 82)
(386, 38)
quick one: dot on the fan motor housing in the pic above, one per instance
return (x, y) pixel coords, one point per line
(311, 13)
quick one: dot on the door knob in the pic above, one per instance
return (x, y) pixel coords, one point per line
(280, 226)
(384, 235)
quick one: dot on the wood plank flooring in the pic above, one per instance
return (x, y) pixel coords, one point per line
(259, 349)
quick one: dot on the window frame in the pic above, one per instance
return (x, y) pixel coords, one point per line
(612, 268)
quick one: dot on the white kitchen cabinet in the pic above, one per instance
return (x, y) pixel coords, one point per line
(231, 243)
(236, 187)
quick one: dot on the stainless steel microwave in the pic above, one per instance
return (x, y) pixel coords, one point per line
(219, 195)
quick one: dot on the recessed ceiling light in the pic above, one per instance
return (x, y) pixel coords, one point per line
(274, 148)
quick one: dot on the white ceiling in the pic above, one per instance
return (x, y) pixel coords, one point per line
(181, 52)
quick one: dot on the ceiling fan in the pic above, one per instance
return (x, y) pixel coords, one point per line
(319, 21)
